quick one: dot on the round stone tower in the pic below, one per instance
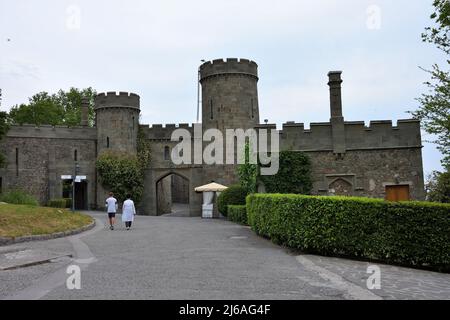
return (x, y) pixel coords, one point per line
(117, 121)
(229, 94)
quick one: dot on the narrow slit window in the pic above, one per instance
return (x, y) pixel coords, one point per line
(75, 155)
(107, 142)
(252, 110)
(166, 153)
(17, 161)
(211, 109)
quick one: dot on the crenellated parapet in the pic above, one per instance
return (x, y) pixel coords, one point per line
(358, 136)
(230, 66)
(52, 132)
(164, 132)
(117, 100)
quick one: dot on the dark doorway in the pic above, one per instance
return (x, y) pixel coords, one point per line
(397, 193)
(81, 195)
(172, 194)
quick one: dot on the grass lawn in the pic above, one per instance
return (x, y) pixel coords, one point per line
(23, 220)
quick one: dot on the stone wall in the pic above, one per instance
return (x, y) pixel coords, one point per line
(367, 173)
(43, 155)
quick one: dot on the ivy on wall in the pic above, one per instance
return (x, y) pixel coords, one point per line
(294, 174)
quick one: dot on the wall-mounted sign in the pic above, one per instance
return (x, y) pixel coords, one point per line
(66, 177)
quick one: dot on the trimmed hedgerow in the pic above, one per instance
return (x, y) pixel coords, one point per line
(57, 203)
(237, 214)
(407, 233)
(18, 197)
(234, 195)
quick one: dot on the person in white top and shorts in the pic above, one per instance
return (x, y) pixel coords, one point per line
(111, 208)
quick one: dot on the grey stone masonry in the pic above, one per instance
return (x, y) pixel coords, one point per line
(348, 158)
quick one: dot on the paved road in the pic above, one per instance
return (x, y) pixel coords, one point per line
(190, 258)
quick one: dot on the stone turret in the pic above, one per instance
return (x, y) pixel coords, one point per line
(117, 121)
(229, 94)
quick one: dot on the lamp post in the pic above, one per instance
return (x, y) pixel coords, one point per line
(76, 168)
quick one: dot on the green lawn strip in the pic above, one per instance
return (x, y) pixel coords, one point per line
(24, 220)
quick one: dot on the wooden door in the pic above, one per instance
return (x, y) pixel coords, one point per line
(397, 193)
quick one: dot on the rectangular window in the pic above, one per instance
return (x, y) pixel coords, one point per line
(75, 155)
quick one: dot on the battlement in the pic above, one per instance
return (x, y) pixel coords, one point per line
(229, 66)
(117, 100)
(52, 132)
(378, 135)
(164, 132)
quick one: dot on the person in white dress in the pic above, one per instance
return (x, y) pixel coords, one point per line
(128, 212)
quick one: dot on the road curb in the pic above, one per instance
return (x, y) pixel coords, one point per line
(4, 241)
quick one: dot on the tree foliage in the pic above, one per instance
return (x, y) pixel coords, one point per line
(61, 108)
(438, 187)
(435, 105)
(294, 174)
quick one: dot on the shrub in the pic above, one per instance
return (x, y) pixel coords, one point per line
(407, 233)
(57, 203)
(237, 214)
(121, 173)
(294, 174)
(68, 202)
(234, 195)
(18, 197)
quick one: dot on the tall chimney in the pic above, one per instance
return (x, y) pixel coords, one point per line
(337, 119)
(84, 112)
(335, 82)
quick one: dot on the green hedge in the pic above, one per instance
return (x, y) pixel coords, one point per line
(237, 214)
(57, 203)
(234, 195)
(18, 197)
(408, 233)
(68, 202)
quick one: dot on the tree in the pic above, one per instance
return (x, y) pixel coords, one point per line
(435, 105)
(438, 187)
(294, 175)
(62, 108)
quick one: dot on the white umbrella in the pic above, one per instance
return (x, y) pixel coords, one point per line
(212, 187)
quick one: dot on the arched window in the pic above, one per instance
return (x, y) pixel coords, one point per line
(75, 155)
(166, 153)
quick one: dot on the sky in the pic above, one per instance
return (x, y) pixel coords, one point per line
(154, 48)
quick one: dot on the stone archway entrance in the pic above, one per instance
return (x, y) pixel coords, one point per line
(172, 195)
